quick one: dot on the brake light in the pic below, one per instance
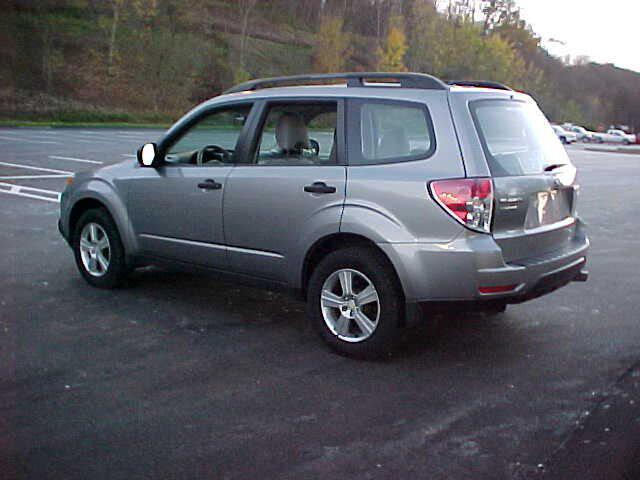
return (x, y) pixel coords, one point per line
(468, 200)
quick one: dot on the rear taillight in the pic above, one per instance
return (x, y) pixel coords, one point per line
(468, 200)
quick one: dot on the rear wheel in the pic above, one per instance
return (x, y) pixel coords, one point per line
(496, 309)
(98, 249)
(355, 303)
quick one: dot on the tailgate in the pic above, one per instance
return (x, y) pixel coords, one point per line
(533, 178)
(533, 215)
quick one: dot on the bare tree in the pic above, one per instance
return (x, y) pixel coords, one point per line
(116, 5)
(246, 7)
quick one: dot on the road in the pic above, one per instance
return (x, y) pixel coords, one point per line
(180, 376)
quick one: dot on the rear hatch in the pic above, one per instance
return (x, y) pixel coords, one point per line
(533, 178)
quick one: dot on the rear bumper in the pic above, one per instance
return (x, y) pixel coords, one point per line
(455, 271)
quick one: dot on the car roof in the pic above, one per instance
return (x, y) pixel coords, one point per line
(396, 85)
(384, 91)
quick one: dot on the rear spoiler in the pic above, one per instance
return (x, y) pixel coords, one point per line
(479, 84)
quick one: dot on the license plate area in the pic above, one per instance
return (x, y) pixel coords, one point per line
(548, 207)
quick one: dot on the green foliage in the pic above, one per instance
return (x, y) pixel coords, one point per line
(391, 54)
(332, 49)
(124, 60)
(240, 75)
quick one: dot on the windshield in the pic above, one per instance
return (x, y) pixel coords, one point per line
(516, 137)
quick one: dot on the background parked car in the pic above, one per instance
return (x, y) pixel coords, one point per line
(583, 134)
(617, 136)
(565, 136)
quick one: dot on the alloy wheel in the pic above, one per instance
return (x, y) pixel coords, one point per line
(350, 305)
(95, 249)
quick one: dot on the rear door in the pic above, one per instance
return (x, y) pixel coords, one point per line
(532, 175)
(290, 189)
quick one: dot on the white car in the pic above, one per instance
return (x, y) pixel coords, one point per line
(617, 136)
(583, 134)
(565, 136)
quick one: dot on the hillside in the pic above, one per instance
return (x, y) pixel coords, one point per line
(150, 60)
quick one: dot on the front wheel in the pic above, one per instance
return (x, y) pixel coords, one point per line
(355, 302)
(98, 249)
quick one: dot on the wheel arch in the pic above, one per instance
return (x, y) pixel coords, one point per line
(333, 242)
(81, 206)
(98, 194)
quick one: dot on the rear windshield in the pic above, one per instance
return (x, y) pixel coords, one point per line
(516, 137)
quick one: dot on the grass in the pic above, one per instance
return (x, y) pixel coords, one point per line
(90, 117)
(80, 124)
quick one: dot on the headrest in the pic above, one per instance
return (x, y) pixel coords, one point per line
(291, 132)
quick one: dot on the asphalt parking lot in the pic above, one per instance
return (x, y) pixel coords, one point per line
(182, 376)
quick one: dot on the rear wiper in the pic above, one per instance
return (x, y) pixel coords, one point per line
(553, 166)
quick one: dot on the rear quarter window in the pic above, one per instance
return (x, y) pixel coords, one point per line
(383, 131)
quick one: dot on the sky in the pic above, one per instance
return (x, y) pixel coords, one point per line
(607, 31)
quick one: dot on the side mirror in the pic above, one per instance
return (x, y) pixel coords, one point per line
(148, 155)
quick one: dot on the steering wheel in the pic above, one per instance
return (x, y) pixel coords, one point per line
(212, 150)
(314, 146)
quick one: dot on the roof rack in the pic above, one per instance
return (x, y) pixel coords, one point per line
(357, 79)
(479, 84)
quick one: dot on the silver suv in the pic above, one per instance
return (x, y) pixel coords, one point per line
(369, 194)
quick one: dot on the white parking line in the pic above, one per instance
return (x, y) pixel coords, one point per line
(128, 155)
(72, 140)
(72, 159)
(31, 167)
(21, 191)
(27, 141)
(28, 177)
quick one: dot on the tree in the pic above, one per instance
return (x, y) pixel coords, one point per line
(422, 22)
(332, 50)
(116, 5)
(246, 7)
(498, 13)
(391, 54)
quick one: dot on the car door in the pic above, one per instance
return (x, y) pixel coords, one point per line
(290, 188)
(176, 209)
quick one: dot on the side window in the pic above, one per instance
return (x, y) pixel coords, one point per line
(299, 134)
(211, 140)
(388, 132)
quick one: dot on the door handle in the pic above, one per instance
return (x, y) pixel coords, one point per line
(319, 187)
(210, 184)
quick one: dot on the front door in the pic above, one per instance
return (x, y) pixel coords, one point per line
(289, 191)
(176, 209)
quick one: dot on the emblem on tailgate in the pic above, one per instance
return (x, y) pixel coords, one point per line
(510, 203)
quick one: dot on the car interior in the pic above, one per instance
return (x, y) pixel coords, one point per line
(298, 134)
(211, 141)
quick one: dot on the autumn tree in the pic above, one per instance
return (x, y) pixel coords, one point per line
(391, 54)
(332, 49)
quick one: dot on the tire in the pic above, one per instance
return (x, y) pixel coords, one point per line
(116, 268)
(495, 310)
(365, 265)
